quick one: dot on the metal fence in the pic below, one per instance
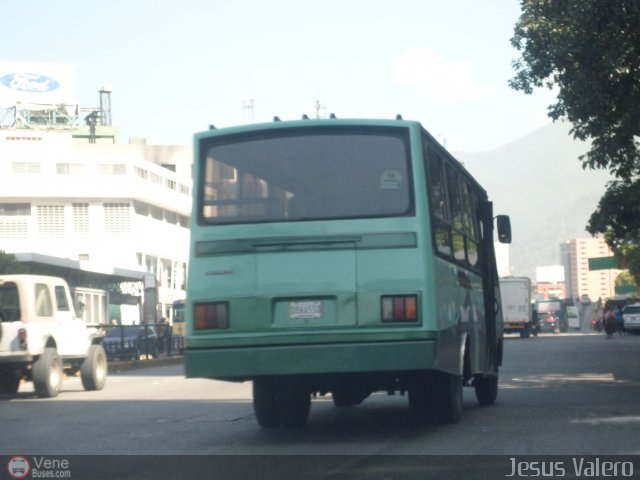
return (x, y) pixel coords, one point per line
(141, 341)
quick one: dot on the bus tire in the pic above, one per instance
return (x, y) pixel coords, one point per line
(294, 404)
(265, 403)
(437, 397)
(47, 374)
(93, 371)
(486, 387)
(448, 393)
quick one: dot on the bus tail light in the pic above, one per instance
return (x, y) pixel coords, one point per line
(211, 316)
(399, 308)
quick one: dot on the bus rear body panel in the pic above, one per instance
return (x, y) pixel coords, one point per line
(334, 269)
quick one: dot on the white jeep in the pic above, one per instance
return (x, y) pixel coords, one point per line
(41, 337)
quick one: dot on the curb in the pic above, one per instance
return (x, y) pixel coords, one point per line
(123, 366)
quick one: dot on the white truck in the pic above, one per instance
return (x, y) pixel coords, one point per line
(573, 317)
(41, 337)
(515, 293)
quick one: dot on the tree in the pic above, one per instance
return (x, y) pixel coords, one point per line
(9, 264)
(627, 282)
(618, 218)
(589, 50)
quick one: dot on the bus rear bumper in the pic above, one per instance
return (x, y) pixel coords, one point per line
(250, 362)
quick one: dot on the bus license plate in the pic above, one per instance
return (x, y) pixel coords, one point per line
(305, 310)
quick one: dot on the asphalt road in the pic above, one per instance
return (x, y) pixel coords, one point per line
(573, 394)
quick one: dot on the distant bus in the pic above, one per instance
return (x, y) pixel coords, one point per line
(342, 257)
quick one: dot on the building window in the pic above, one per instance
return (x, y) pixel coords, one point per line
(26, 167)
(14, 220)
(166, 274)
(69, 168)
(112, 169)
(141, 208)
(117, 218)
(80, 219)
(15, 209)
(50, 221)
(151, 264)
(142, 173)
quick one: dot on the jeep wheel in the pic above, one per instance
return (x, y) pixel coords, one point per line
(93, 371)
(47, 374)
(9, 382)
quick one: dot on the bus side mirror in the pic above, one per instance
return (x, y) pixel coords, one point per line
(504, 228)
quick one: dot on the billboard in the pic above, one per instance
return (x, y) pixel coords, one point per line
(37, 84)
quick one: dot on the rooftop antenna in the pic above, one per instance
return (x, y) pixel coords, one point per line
(320, 109)
(105, 104)
(249, 106)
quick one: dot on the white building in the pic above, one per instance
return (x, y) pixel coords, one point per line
(70, 196)
(550, 274)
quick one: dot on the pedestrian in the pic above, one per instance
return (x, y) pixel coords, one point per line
(609, 320)
(620, 320)
(161, 331)
(167, 338)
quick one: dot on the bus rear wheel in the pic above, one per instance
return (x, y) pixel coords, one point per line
(437, 397)
(265, 404)
(277, 402)
(486, 387)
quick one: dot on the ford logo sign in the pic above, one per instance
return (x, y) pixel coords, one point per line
(29, 82)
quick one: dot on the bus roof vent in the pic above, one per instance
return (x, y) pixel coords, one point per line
(333, 115)
(212, 127)
(398, 117)
(305, 116)
(276, 118)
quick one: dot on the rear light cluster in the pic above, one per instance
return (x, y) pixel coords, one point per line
(211, 316)
(399, 308)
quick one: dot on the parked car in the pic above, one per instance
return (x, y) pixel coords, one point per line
(131, 342)
(631, 318)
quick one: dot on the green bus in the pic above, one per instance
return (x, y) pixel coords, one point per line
(342, 257)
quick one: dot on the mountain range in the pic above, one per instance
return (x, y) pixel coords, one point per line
(538, 180)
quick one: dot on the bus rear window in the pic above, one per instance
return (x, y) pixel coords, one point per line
(311, 175)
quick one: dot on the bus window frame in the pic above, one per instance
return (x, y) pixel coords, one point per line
(450, 167)
(205, 145)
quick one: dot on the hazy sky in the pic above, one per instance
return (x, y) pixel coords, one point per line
(178, 66)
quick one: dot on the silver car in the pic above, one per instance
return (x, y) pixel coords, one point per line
(631, 318)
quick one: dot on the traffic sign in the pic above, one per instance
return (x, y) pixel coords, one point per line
(603, 263)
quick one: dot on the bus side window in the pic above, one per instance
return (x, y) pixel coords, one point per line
(455, 198)
(436, 184)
